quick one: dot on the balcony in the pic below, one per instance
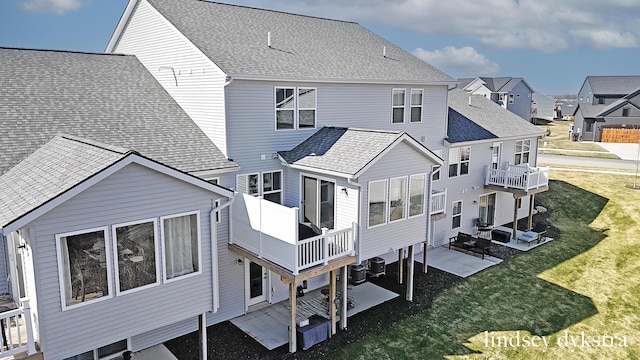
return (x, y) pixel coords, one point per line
(17, 333)
(519, 179)
(438, 204)
(271, 232)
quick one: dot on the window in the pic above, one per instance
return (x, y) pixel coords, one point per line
(136, 255)
(270, 189)
(397, 198)
(295, 108)
(377, 202)
(398, 106)
(522, 151)
(416, 105)
(436, 172)
(510, 98)
(83, 267)
(416, 194)
(459, 159)
(110, 351)
(181, 244)
(456, 214)
(625, 112)
(588, 126)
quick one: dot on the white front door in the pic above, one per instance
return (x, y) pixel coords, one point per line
(487, 209)
(256, 283)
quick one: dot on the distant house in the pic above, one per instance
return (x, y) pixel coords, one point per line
(513, 94)
(542, 107)
(608, 109)
(105, 226)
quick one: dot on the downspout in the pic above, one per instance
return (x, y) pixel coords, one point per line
(352, 182)
(429, 222)
(214, 251)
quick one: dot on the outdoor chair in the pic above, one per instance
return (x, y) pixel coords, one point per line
(535, 234)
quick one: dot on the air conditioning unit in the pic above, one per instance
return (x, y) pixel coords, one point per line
(358, 274)
(377, 266)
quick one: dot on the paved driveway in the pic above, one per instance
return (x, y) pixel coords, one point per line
(624, 151)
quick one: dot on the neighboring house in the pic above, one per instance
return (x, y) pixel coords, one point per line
(608, 109)
(341, 139)
(513, 94)
(542, 107)
(107, 232)
(565, 109)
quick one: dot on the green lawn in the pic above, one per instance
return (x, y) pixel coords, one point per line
(558, 142)
(586, 281)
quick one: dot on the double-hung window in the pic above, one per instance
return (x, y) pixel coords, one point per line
(523, 147)
(397, 198)
(416, 105)
(459, 159)
(377, 202)
(266, 184)
(181, 244)
(456, 214)
(398, 99)
(136, 255)
(295, 108)
(84, 270)
(416, 194)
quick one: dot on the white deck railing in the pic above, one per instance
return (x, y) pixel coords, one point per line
(17, 331)
(438, 201)
(270, 231)
(520, 177)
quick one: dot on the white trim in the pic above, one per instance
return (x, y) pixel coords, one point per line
(116, 255)
(450, 84)
(61, 269)
(296, 107)
(411, 106)
(164, 257)
(385, 201)
(454, 215)
(424, 195)
(302, 175)
(124, 20)
(103, 174)
(404, 105)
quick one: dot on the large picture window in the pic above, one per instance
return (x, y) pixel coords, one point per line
(523, 147)
(181, 244)
(377, 202)
(398, 96)
(397, 198)
(83, 267)
(295, 108)
(416, 194)
(136, 255)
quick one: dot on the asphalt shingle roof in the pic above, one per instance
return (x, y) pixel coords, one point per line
(613, 85)
(107, 98)
(332, 149)
(51, 170)
(483, 119)
(235, 39)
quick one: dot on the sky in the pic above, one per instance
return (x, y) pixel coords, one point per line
(553, 44)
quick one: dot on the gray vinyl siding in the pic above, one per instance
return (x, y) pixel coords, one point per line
(194, 82)
(133, 193)
(251, 117)
(521, 101)
(4, 266)
(402, 160)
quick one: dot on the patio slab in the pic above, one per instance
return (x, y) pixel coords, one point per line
(457, 262)
(519, 245)
(269, 325)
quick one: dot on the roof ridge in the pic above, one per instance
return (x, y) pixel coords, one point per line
(64, 51)
(277, 11)
(97, 144)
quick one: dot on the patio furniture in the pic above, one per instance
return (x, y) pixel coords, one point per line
(482, 246)
(535, 234)
(469, 243)
(318, 330)
(501, 235)
(483, 229)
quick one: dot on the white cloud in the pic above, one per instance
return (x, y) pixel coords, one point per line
(459, 62)
(543, 25)
(57, 7)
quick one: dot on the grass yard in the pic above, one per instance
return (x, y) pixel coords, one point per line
(585, 282)
(558, 143)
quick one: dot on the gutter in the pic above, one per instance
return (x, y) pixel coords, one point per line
(214, 252)
(449, 83)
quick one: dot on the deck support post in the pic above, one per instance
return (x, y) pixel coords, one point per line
(332, 300)
(515, 217)
(202, 335)
(292, 321)
(424, 257)
(343, 298)
(400, 266)
(531, 201)
(410, 268)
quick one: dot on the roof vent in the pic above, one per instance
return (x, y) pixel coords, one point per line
(384, 51)
(269, 39)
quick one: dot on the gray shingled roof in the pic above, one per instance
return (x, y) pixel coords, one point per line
(107, 98)
(54, 168)
(483, 119)
(495, 84)
(332, 149)
(235, 39)
(621, 102)
(613, 85)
